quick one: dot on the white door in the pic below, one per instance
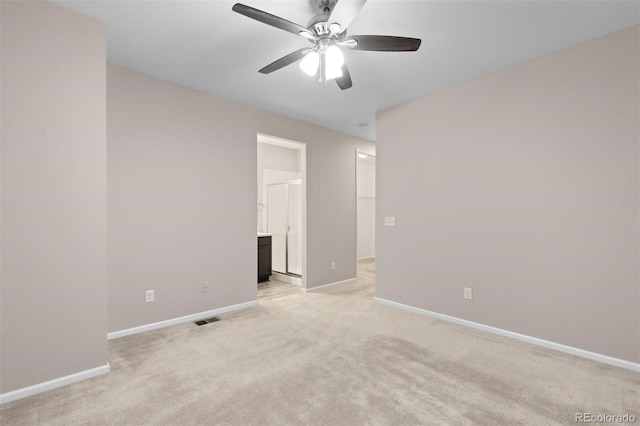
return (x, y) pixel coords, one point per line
(277, 226)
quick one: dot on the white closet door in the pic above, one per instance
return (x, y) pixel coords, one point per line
(277, 226)
(294, 216)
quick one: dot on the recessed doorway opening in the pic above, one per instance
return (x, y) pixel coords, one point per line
(281, 216)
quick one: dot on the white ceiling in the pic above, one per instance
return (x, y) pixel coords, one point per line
(208, 47)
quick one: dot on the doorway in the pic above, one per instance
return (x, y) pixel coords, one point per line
(281, 214)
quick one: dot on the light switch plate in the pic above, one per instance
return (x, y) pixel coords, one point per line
(390, 221)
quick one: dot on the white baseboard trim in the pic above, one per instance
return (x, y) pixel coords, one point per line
(286, 278)
(53, 384)
(193, 317)
(323, 286)
(605, 359)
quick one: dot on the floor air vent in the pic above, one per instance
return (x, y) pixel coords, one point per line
(207, 321)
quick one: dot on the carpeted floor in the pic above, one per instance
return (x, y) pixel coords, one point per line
(332, 357)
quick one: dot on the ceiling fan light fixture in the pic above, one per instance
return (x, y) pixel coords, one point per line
(334, 60)
(332, 72)
(310, 63)
(327, 32)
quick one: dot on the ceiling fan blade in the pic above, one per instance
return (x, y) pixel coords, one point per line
(284, 61)
(344, 82)
(273, 20)
(344, 12)
(381, 43)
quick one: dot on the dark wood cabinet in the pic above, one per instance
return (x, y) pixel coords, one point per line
(264, 258)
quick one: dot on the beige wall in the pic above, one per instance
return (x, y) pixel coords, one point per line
(524, 186)
(54, 283)
(177, 218)
(278, 158)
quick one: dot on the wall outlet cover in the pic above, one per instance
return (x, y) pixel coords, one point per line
(468, 293)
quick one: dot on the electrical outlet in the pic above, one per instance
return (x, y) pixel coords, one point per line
(333, 266)
(468, 293)
(390, 221)
(205, 287)
(149, 296)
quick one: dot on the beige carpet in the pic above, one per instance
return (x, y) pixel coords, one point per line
(332, 357)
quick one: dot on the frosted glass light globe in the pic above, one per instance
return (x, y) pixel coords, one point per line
(310, 62)
(334, 60)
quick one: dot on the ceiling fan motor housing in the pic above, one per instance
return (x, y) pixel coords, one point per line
(321, 29)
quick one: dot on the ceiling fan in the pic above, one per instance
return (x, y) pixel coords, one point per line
(327, 34)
